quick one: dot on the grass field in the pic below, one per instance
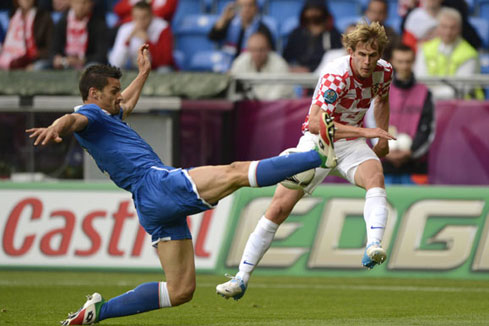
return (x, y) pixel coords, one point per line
(44, 298)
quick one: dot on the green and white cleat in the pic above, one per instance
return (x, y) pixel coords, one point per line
(89, 314)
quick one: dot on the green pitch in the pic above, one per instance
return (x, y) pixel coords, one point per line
(44, 298)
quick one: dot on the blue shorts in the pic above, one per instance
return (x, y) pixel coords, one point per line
(163, 199)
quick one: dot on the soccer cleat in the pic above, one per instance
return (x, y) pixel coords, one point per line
(88, 314)
(374, 255)
(325, 141)
(234, 288)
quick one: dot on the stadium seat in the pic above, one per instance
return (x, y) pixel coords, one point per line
(215, 61)
(342, 8)
(111, 19)
(286, 28)
(179, 58)
(484, 62)
(4, 19)
(187, 7)
(343, 22)
(281, 10)
(191, 34)
(483, 8)
(481, 25)
(272, 25)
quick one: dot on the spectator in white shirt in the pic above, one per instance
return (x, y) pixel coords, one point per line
(259, 58)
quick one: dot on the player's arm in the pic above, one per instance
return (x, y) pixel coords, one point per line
(132, 92)
(381, 115)
(66, 125)
(345, 131)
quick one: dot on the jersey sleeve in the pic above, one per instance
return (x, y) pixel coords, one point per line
(329, 91)
(92, 116)
(384, 89)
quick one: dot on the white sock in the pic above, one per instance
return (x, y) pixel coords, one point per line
(258, 243)
(164, 296)
(375, 214)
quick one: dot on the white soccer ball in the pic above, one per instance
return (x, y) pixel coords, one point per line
(299, 180)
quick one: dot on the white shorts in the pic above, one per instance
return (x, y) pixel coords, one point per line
(350, 154)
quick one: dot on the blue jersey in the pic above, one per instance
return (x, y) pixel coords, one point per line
(117, 149)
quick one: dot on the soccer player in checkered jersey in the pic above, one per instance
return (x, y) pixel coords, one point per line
(345, 90)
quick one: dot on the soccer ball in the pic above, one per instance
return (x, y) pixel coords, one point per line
(299, 180)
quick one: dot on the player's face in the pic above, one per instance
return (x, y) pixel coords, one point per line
(364, 59)
(110, 97)
(402, 62)
(448, 29)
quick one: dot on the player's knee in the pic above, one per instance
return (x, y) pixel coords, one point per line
(236, 173)
(375, 179)
(183, 294)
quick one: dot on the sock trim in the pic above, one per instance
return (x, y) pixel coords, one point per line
(376, 192)
(267, 225)
(163, 295)
(252, 173)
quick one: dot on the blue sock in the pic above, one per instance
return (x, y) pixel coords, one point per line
(272, 170)
(143, 298)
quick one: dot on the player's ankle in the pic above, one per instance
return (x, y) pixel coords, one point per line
(245, 276)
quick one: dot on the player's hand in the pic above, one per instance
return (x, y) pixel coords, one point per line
(229, 11)
(44, 136)
(144, 61)
(377, 133)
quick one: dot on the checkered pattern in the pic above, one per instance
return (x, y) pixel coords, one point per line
(353, 96)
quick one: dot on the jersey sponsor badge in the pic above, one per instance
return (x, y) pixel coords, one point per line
(330, 96)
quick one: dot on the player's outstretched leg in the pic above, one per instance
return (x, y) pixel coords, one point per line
(88, 314)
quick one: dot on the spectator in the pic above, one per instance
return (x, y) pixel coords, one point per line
(377, 11)
(80, 38)
(260, 58)
(448, 55)
(468, 31)
(333, 53)
(28, 39)
(144, 28)
(235, 29)
(161, 8)
(412, 121)
(421, 23)
(314, 36)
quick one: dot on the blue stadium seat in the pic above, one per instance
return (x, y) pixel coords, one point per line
(483, 8)
(191, 34)
(218, 5)
(272, 25)
(111, 19)
(215, 61)
(342, 8)
(4, 19)
(484, 62)
(481, 25)
(286, 28)
(187, 7)
(179, 58)
(343, 22)
(283, 9)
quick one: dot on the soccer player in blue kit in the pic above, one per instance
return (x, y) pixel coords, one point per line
(163, 195)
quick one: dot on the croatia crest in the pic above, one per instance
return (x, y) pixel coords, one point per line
(375, 89)
(330, 96)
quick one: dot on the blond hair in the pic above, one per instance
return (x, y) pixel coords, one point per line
(372, 35)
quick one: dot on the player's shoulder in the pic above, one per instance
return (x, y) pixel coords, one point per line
(384, 68)
(338, 68)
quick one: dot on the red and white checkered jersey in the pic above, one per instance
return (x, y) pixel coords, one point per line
(345, 97)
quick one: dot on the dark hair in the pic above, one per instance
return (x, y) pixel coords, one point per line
(320, 6)
(384, 2)
(402, 47)
(96, 76)
(142, 5)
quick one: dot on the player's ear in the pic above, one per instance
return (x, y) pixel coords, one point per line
(93, 93)
(349, 50)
